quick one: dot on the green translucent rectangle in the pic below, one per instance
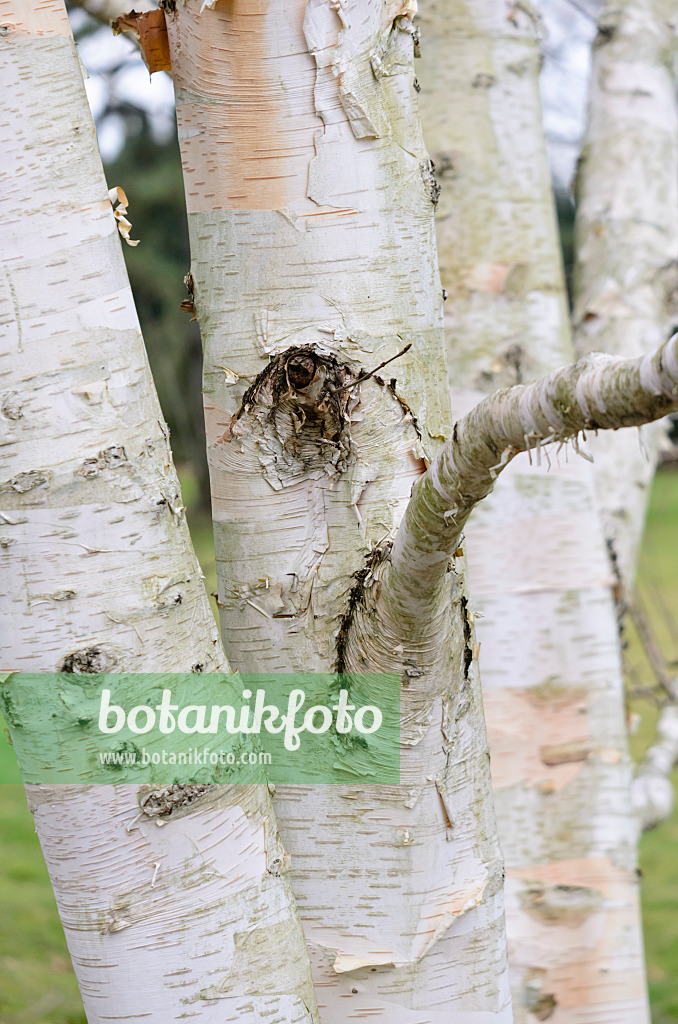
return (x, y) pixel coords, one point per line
(178, 728)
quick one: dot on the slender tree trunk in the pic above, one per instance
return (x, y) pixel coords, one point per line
(313, 257)
(653, 790)
(99, 576)
(626, 236)
(539, 575)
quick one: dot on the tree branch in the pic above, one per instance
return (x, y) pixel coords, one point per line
(598, 392)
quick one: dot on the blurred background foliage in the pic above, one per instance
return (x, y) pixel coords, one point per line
(136, 128)
(137, 135)
(151, 171)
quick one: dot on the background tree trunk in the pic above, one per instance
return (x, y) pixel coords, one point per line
(625, 279)
(99, 576)
(539, 574)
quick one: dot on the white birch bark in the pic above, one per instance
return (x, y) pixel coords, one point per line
(539, 576)
(310, 209)
(625, 277)
(193, 919)
(496, 227)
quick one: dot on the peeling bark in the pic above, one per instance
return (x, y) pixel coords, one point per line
(310, 203)
(150, 30)
(99, 576)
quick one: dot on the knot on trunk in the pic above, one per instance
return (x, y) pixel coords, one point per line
(94, 660)
(299, 409)
(300, 370)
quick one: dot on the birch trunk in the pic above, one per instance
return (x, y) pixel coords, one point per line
(100, 576)
(310, 196)
(626, 236)
(539, 576)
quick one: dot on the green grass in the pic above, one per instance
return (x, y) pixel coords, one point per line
(658, 572)
(37, 985)
(36, 978)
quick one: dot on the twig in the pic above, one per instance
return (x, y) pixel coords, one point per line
(651, 647)
(668, 617)
(366, 376)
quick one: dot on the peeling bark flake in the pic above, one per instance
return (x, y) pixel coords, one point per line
(150, 28)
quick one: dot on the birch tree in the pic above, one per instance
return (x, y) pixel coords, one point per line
(625, 279)
(626, 295)
(311, 470)
(99, 576)
(340, 493)
(539, 571)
